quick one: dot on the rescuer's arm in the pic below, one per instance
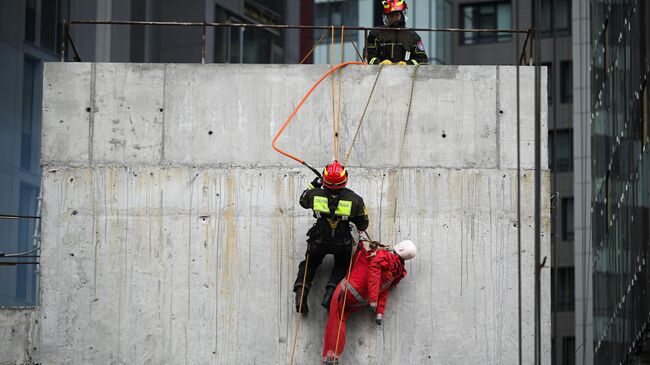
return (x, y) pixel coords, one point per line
(360, 218)
(371, 48)
(306, 197)
(418, 53)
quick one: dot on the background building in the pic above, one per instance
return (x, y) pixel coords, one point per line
(556, 55)
(30, 34)
(620, 67)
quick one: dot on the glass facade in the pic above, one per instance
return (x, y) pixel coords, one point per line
(620, 178)
(249, 45)
(496, 15)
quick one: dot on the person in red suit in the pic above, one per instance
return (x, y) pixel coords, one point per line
(374, 272)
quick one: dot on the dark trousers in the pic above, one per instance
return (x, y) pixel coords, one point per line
(316, 252)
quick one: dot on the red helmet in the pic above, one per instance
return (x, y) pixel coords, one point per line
(391, 6)
(335, 176)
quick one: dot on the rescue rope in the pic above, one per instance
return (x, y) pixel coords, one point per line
(333, 103)
(302, 295)
(401, 152)
(295, 111)
(357, 50)
(338, 125)
(365, 109)
(313, 48)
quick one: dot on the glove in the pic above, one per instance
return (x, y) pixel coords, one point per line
(315, 184)
(373, 307)
(402, 63)
(379, 319)
(386, 62)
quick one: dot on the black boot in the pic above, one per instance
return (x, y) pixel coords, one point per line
(327, 298)
(299, 293)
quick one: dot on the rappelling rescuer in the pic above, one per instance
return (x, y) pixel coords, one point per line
(385, 46)
(374, 272)
(334, 206)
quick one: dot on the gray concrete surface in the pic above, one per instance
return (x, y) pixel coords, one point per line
(18, 335)
(172, 233)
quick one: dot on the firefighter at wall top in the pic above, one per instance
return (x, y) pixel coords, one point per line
(392, 46)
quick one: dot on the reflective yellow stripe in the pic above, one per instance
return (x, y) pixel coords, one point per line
(320, 204)
(373, 60)
(344, 208)
(415, 62)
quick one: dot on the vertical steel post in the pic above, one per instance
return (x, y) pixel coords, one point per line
(203, 29)
(537, 266)
(241, 45)
(365, 45)
(64, 31)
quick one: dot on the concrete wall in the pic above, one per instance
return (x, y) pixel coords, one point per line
(172, 231)
(18, 335)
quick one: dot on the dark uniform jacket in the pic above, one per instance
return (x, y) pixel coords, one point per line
(334, 210)
(396, 46)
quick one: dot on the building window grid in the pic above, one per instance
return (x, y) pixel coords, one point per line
(568, 223)
(565, 292)
(343, 12)
(41, 28)
(560, 150)
(558, 13)
(487, 15)
(566, 81)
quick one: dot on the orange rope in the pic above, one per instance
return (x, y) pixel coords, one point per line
(295, 111)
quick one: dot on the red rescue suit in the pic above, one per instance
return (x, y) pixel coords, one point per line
(373, 273)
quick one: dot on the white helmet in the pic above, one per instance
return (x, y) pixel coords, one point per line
(405, 249)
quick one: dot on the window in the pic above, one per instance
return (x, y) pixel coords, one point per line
(568, 227)
(560, 152)
(43, 19)
(30, 21)
(568, 350)
(558, 13)
(29, 76)
(646, 138)
(564, 294)
(245, 45)
(336, 13)
(496, 15)
(549, 84)
(566, 77)
(26, 274)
